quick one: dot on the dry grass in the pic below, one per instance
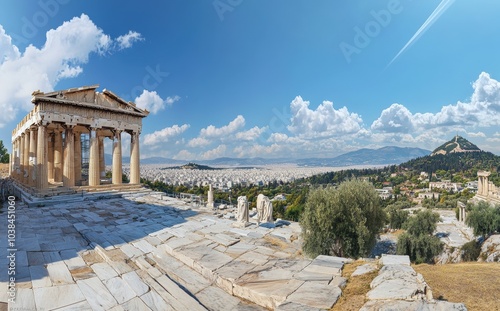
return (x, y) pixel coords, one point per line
(4, 170)
(475, 284)
(354, 294)
(276, 242)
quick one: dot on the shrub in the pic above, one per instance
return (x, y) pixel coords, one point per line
(420, 248)
(471, 250)
(342, 222)
(397, 216)
(484, 219)
(418, 242)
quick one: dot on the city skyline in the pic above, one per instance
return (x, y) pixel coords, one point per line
(247, 79)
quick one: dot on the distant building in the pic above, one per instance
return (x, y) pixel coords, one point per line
(446, 185)
(385, 193)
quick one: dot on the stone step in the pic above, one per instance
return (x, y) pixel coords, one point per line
(175, 296)
(211, 296)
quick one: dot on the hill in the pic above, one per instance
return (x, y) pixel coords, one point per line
(467, 163)
(384, 155)
(457, 145)
(192, 166)
(365, 156)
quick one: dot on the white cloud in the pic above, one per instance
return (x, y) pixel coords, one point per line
(214, 132)
(151, 101)
(165, 134)
(483, 110)
(66, 48)
(184, 155)
(395, 119)
(277, 138)
(198, 142)
(125, 41)
(323, 122)
(478, 134)
(265, 151)
(171, 100)
(252, 134)
(217, 152)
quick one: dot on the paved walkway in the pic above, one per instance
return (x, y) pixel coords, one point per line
(147, 252)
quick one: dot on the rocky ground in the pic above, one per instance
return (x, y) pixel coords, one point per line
(145, 251)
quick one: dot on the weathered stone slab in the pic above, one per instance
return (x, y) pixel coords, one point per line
(59, 274)
(395, 260)
(25, 300)
(130, 251)
(364, 269)
(315, 294)
(135, 282)
(48, 298)
(293, 306)
(238, 249)
(104, 271)
(223, 239)
(180, 295)
(135, 304)
(267, 293)
(119, 289)
(72, 259)
(35, 258)
(155, 302)
(144, 246)
(97, 294)
(390, 305)
(215, 298)
(40, 276)
(79, 306)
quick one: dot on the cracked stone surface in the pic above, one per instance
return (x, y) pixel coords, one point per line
(142, 251)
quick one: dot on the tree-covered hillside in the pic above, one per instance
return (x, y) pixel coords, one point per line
(466, 163)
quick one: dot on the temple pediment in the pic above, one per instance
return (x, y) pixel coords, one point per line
(87, 96)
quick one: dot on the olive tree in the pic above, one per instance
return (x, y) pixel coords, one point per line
(418, 242)
(342, 222)
(484, 218)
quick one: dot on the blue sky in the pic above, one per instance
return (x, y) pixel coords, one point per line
(243, 78)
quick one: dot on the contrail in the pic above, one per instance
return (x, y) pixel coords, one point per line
(442, 7)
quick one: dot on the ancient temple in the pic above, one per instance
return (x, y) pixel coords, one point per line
(47, 144)
(486, 190)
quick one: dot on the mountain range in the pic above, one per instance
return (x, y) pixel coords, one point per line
(365, 156)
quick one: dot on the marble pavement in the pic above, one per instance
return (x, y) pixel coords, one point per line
(149, 252)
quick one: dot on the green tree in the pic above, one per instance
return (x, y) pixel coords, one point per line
(484, 218)
(4, 154)
(397, 216)
(342, 222)
(418, 242)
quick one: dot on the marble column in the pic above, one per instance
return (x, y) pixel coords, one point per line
(58, 156)
(26, 156)
(117, 157)
(50, 157)
(21, 157)
(69, 157)
(10, 164)
(15, 147)
(102, 163)
(33, 154)
(41, 154)
(78, 158)
(94, 176)
(135, 177)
